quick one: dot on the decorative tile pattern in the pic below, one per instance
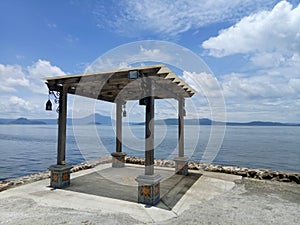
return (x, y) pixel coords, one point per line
(60, 176)
(180, 166)
(65, 176)
(146, 191)
(156, 189)
(54, 177)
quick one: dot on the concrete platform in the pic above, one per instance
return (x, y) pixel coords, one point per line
(119, 183)
(109, 195)
(115, 190)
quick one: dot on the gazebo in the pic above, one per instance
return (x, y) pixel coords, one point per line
(146, 84)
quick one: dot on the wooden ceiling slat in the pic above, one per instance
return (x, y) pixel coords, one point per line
(110, 85)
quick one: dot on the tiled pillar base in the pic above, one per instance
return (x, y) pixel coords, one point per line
(149, 189)
(60, 176)
(181, 165)
(118, 159)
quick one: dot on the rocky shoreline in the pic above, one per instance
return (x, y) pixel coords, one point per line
(261, 174)
(13, 182)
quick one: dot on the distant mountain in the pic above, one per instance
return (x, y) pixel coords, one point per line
(92, 119)
(5, 121)
(106, 120)
(260, 123)
(25, 121)
(186, 122)
(206, 121)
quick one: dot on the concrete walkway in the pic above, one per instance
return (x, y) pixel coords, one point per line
(197, 199)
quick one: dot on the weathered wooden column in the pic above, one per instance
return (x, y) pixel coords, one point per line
(119, 126)
(181, 162)
(181, 127)
(118, 157)
(62, 127)
(60, 173)
(149, 136)
(149, 183)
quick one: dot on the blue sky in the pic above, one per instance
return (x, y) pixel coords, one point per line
(252, 47)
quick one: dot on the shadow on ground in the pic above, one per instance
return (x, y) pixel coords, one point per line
(119, 183)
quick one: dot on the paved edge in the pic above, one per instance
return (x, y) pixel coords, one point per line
(208, 186)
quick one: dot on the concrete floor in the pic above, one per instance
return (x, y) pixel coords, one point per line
(209, 198)
(119, 183)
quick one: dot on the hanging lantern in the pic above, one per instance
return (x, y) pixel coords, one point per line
(124, 110)
(133, 74)
(48, 105)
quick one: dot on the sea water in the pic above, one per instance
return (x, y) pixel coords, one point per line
(27, 149)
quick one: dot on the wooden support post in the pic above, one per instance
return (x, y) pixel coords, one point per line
(119, 126)
(181, 127)
(181, 162)
(149, 136)
(149, 183)
(62, 125)
(118, 157)
(60, 173)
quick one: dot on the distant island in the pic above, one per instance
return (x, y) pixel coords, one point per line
(206, 121)
(91, 119)
(99, 119)
(25, 121)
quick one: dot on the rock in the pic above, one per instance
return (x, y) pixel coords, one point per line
(266, 175)
(192, 166)
(294, 178)
(251, 173)
(242, 173)
(285, 179)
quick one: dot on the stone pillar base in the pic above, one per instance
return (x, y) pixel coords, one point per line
(60, 176)
(118, 159)
(149, 189)
(181, 165)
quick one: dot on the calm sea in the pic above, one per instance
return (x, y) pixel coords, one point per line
(27, 149)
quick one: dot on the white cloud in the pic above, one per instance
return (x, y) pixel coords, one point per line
(257, 87)
(39, 70)
(127, 55)
(11, 77)
(19, 103)
(268, 60)
(173, 17)
(23, 88)
(295, 85)
(51, 25)
(262, 97)
(15, 106)
(276, 30)
(43, 68)
(268, 89)
(204, 83)
(71, 39)
(14, 76)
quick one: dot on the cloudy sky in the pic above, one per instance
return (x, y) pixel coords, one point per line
(252, 48)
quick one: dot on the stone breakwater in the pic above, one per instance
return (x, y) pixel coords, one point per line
(13, 182)
(261, 174)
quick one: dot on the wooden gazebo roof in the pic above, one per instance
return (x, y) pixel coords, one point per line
(111, 85)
